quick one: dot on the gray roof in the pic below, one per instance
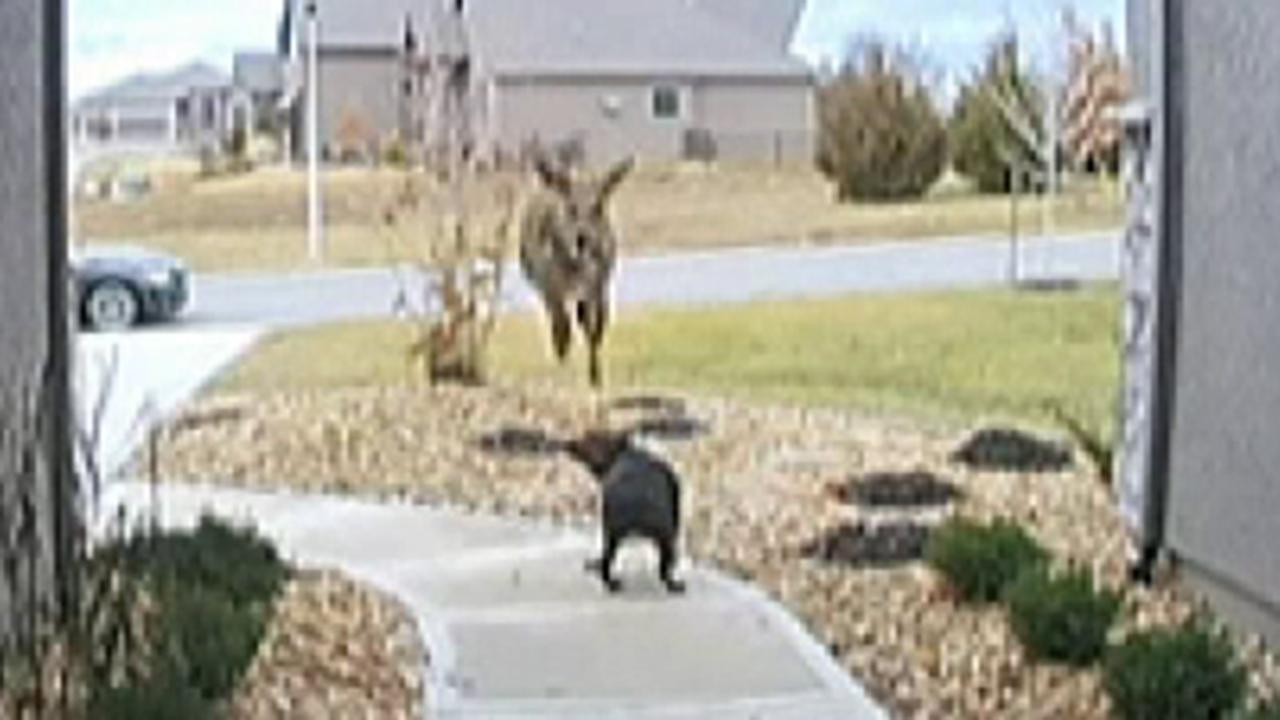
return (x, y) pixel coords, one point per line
(160, 86)
(773, 21)
(593, 37)
(258, 72)
(586, 37)
(371, 24)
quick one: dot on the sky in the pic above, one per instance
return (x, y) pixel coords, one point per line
(110, 39)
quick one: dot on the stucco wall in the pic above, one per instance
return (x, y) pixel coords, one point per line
(32, 346)
(1224, 164)
(749, 119)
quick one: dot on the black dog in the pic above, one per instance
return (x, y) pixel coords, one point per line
(640, 498)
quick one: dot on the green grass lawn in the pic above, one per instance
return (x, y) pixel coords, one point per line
(953, 356)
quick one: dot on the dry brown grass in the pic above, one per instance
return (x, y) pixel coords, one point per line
(258, 221)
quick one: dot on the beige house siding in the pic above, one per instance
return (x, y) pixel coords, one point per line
(365, 84)
(762, 120)
(756, 120)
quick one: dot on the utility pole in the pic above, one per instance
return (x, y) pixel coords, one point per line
(1051, 138)
(315, 224)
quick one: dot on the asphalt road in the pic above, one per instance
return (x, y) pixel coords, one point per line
(294, 299)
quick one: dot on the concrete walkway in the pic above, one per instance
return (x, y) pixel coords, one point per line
(516, 629)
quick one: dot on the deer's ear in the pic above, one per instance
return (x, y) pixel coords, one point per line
(612, 179)
(553, 177)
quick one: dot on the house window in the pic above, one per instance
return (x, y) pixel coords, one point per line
(667, 102)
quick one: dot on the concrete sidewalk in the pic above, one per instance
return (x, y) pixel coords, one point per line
(516, 629)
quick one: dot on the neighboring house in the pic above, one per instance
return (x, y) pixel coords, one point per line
(664, 79)
(185, 109)
(260, 76)
(1200, 477)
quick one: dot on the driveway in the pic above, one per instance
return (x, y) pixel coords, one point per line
(733, 276)
(126, 383)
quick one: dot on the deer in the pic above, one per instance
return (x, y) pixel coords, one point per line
(568, 252)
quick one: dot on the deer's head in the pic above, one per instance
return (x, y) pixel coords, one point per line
(581, 218)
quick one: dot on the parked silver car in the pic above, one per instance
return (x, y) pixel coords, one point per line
(119, 287)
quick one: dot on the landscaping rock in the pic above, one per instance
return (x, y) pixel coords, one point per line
(918, 489)
(335, 649)
(758, 495)
(1002, 449)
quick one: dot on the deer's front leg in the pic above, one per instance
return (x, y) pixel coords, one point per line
(561, 328)
(593, 316)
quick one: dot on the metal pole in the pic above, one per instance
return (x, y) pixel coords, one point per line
(1016, 188)
(315, 239)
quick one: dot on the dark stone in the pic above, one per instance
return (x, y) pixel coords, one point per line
(519, 441)
(670, 428)
(883, 546)
(905, 490)
(651, 403)
(1007, 450)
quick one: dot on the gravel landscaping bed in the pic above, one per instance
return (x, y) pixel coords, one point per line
(774, 495)
(335, 649)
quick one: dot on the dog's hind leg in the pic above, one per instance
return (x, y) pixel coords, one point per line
(603, 566)
(667, 564)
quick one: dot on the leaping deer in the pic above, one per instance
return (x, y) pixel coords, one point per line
(568, 251)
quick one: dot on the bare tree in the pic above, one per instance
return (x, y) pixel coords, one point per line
(460, 253)
(1096, 88)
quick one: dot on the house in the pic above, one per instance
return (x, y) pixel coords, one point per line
(261, 77)
(664, 79)
(1199, 480)
(184, 109)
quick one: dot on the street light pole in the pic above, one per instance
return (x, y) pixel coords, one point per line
(315, 239)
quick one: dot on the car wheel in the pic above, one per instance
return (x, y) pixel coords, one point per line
(112, 306)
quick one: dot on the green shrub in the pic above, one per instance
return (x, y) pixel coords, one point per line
(980, 561)
(396, 153)
(211, 640)
(982, 140)
(217, 557)
(162, 698)
(213, 591)
(882, 136)
(1061, 618)
(1187, 673)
